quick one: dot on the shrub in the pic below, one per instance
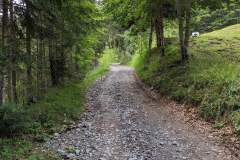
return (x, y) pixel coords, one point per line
(236, 120)
(13, 119)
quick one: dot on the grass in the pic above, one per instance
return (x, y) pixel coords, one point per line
(37, 123)
(209, 80)
(20, 149)
(223, 43)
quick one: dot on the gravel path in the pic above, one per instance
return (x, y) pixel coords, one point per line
(122, 123)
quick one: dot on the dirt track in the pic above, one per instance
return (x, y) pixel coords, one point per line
(122, 123)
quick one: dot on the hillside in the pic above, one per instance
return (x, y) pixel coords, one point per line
(224, 42)
(210, 79)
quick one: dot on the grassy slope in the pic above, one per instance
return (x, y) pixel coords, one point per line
(59, 108)
(210, 80)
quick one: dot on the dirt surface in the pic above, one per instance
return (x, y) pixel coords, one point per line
(123, 123)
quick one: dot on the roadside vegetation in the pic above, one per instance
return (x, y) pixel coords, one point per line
(52, 51)
(209, 80)
(202, 71)
(37, 123)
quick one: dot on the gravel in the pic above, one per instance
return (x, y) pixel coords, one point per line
(122, 123)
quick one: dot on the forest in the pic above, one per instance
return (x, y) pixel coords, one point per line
(52, 52)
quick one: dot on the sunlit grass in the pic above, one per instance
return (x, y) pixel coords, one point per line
(210, 80)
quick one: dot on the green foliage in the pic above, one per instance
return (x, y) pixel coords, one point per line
(210, 79)
(11, 149)
(13, 119)
(58, 109)
(207, 20)
(219, 124)
(61, 106)
(236, 120)
(108, 57)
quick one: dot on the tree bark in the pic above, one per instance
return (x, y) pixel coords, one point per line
(184, 17)
(53, 63)
(159, 28)
(161, 23)
(4, 28)
(150, 36)
(181, 37)
(13, 56)
(187, 28)
(29, 58)
(40, 63)
(62, 63)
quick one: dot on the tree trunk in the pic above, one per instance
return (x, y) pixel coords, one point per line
(9, 79)
(187, 29)
(29, 59)
(13, 56)
(184, 16)
(39, 68)
(150, 36)
(40, 63)
(29, 67)
(62, 63)
(14, 84)
(51, 60)
(53, 63)
(161, 23)
(4, 28)
(159, 28)
(181, 37)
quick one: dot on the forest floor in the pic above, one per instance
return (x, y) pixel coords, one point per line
(123, 122)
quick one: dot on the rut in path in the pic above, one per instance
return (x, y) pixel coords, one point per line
(122, 123)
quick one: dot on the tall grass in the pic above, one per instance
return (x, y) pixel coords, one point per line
(209, 80)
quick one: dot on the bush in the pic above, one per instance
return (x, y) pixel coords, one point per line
(207, 21)
(13, 119)
(236, 120)
(13, 148)
(59, 108)
(19, 149)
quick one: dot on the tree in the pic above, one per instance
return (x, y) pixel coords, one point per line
(159, 25)
(4, 47)
(150, 35)
(46, 44)
(13, 55)
(184, 20)
(29, 27)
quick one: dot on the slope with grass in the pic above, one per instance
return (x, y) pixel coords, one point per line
(210, 79)
(37, 123)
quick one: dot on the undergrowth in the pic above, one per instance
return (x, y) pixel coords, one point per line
(22, 126)
(209, 80)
